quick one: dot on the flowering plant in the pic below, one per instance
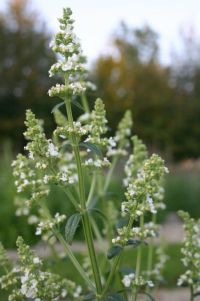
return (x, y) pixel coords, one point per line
(78, 151)
(191, 255)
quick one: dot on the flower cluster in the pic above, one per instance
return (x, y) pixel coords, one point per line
(122, 136)
(98, 163)
(141, 191)
(28, 280)
(27, 180)
(65, 131)
(98, 125)
(135, 161)
(130, 280)
(141, 233)
(50, 224)
(38, 145)
(190, 252)
(67, 45)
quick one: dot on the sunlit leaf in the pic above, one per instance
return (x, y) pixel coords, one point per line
(56, 107)
(71, 227)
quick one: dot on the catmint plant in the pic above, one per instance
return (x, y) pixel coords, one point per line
(190, 255)
(81, 151)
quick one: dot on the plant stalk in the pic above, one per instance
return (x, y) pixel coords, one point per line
(85, 216)
(85, 103)
(150, 250)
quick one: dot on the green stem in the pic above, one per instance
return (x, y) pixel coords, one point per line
(150, 251)
(109, 175)
(113, 165)
(68, 251)
(139, 258)
(85, 103)
(135, 294)
(85, 216)
(74, 260)
(92, 189)
(111, 275)
(98, 234)
(71, 197)
(139, 255)
(115, 263)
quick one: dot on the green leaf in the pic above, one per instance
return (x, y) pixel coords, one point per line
(56, 107)
(114, 297)
(77, 104)
(71, 227)
(134, 242)
(96, 210)
(92, 147)
(148, 295)
(114, 251)
(121, 222)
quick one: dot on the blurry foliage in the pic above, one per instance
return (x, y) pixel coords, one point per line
(166, 115)
(165, 100)
(11, 226)
(25, 59)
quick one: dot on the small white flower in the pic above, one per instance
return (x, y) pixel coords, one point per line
(150, 283)
(52, 150)
(36, 260)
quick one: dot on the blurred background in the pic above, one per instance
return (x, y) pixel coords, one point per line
(142, 56)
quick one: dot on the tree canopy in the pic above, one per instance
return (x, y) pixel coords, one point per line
(24, 59)
(165, 115)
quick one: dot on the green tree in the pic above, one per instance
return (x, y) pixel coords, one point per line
(165, 100)
(134, 79)
(186, 79)
(24, 59)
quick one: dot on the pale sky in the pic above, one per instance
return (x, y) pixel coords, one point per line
(97, 20)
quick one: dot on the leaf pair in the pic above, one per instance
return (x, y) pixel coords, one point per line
(73, 101)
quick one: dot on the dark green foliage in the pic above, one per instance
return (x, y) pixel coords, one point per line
(25, 59)
(164, 100)
(11, 226)
(114, 251)
(71, 227)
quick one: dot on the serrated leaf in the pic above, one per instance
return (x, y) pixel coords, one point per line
(71, 227)
(114, 297)
(114, 251)
(92, 147)
(77, 104)
(148, 295)
(56, 107)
